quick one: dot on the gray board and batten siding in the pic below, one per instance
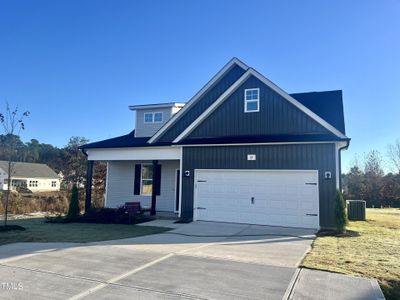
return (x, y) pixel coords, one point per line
(319, 157)
(276, 116)
(218, 88)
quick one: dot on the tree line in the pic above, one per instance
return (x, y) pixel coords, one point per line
(367, 180)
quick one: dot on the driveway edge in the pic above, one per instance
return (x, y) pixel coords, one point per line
(291, 285)
(377, 290)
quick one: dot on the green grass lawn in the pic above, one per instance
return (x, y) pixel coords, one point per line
(374, 253)
(39, 231)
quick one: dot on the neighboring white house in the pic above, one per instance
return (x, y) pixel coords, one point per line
(35, 177)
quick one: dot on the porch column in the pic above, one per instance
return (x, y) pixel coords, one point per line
(89, 176)
(153, 190)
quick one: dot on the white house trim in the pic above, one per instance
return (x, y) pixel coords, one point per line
(271, 85)
(337, 166)
(153, 119)
(255, 144)
(257, 170)
(152, 106)
(149, 114)
(196, 97)
(338, 147)
(141, 179)
(143, 153)
(252, 100)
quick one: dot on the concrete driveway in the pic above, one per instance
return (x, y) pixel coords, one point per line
(200, 260)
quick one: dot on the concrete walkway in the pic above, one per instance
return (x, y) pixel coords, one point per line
(318, 285)
(200, 260)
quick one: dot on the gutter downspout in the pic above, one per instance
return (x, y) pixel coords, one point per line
(340, 162)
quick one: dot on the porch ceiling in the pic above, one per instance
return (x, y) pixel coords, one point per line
(148, 153)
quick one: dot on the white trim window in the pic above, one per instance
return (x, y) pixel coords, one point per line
(148, 118)
(156, 117)
(33, 183)
(146, 180)
(252, 100)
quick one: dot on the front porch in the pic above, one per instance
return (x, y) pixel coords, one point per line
(149, 176)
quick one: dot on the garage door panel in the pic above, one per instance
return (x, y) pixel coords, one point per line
(291, 205)
(307, 206)
(283, 198)
(261, 204)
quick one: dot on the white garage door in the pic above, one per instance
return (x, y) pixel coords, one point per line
(280, 198)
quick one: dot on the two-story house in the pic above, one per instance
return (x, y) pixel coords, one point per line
(241, 150)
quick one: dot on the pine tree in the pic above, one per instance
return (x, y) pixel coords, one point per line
(74, 210)
(340, 212)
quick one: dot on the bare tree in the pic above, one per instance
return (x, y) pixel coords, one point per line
(12, 122)
(373, 176)
(394, 154)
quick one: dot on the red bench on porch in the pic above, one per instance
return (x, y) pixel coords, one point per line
(133, 209)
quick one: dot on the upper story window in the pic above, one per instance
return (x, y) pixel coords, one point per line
(156, 117)
(148, 117)
(252, 100)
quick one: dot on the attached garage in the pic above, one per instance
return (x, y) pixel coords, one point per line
(266, 197)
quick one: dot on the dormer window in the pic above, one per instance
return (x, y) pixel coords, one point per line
(252, 100)
(156, 117)
(148, 118)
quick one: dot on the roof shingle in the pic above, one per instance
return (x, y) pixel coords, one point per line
(29, 170)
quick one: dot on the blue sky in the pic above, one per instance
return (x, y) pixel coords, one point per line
(77, 65)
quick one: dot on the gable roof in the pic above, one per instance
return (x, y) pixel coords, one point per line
(326, 108)
(328, 105)
(193, 100)
(29, 170)
(270, 84)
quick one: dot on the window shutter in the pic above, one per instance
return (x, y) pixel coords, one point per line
(138, 170)
(158, 180)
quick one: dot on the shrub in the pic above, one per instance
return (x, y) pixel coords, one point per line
(102, 216)
(340, 212)
(74, 211)
(107, 216)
